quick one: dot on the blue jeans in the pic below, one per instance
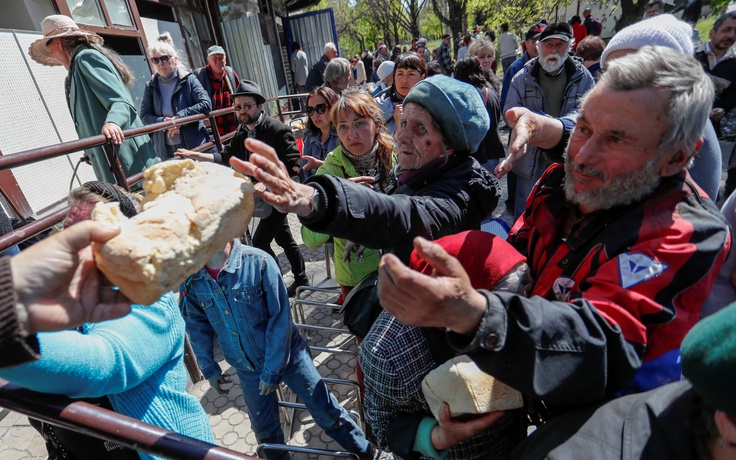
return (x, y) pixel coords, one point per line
(304, 380)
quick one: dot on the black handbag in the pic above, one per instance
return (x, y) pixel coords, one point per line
(361, 307)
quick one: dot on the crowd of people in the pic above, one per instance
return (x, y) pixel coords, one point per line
(606, 306)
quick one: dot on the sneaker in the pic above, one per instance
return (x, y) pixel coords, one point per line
(291, 290)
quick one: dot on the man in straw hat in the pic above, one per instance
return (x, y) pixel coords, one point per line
(96, 93)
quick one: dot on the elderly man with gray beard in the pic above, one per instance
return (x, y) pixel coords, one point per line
(550, 84)
(622, 245)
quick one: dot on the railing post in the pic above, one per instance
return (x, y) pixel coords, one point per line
(215, 133)
(115, 167)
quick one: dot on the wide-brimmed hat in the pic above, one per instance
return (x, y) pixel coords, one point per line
(57, 26)
(249, 88)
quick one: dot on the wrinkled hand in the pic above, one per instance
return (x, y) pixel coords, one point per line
(528, 128)
(444, 299)
(59, 284)
(218, 381)
(266, 389)
(282, 192)
(312, 163)
(717, 114)
(198, 156)
(258, 189)
(171, 132)
(351, 247)
(450, 432)
(363, 180)
(113, 133)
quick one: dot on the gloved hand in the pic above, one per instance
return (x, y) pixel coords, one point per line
(217, 381)
(351, 247)
(266, 388)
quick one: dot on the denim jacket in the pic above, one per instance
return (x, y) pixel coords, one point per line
(248, 308)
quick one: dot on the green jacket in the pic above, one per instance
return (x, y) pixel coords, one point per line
(97, 95)
(347, 273)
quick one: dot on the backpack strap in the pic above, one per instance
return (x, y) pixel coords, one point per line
(230, 79)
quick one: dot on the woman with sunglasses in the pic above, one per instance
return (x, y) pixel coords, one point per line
(408, 71)
(365, 152)
(173, 93)
(320, 137)
(96, 93)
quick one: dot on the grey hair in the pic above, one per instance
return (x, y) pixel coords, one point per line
(480, 45)
(691, 91)
(329, 46)
(517, 281)
(337, 71)
(164, 45)
(724, 17)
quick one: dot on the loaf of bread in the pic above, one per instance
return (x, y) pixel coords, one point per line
(191, 209)
(467, 390)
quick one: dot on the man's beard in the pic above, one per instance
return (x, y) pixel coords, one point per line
(249, 120)
(552, 67)
(622, 189)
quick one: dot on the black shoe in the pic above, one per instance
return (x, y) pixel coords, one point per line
(291, 290)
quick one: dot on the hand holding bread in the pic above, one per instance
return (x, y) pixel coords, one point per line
(191, 210)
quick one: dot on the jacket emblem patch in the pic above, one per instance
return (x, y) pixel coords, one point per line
(562, 287)
(636, 268)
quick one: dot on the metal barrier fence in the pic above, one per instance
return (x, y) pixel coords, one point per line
(37, 155)
(105, 424)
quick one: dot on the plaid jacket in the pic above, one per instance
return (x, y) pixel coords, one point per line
(395, 359)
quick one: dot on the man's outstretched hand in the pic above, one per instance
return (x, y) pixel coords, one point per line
(59, 284)
(283, 193)
(528, 128)
(445, 299)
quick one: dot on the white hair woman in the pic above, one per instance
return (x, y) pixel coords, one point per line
(173, 93)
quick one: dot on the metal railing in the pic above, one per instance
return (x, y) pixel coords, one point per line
(37, 155)
(105, 424)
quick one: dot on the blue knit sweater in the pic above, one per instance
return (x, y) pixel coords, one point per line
(136, 361)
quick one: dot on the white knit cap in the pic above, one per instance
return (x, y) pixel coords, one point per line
(385, 69)
(663, 30)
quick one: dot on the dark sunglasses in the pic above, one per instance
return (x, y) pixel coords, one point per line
(319, 108)
(162, 59)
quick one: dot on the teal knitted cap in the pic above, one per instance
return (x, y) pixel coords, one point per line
(456, 107)
(709, 359)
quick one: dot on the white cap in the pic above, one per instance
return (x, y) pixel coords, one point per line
(663, 30)
(385, 69)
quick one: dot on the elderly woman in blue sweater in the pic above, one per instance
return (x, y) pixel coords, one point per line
(104, 363)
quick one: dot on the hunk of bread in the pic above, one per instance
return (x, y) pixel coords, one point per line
(467, 390)
(191, 210)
